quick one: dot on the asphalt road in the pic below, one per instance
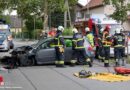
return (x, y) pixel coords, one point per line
(48, 77)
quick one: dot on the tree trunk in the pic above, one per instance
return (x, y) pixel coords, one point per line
(45, 17)
(65, 15)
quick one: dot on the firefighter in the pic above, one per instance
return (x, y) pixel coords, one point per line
(119, 47)
(89, 36)
(107, 41)
(78, 47)
(74, 55)
(100, 49)
(59, 47)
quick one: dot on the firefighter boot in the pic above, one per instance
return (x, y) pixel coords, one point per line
(123, 62)
(90, 64)
(106, 63)
(103, 58)
(117, 63)
(73, 63)
(88, 61)
(60, 64)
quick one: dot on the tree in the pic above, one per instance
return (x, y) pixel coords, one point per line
(41, 8)
(121, 9)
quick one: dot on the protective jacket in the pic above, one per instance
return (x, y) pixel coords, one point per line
(107, 40)
(78, 41)
(90, 38)
(59, 40)
(119, 40)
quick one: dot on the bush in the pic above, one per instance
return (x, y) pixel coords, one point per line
(68, 32)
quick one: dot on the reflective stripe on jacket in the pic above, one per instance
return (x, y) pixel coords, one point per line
(78, 41)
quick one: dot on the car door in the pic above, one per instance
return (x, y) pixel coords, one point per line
(45, 53)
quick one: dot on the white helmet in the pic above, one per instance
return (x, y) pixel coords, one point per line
(75, 30)
(101, 29)
(87, 29)
(60, 28)
(118, 30)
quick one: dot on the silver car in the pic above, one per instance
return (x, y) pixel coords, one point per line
(43, 53)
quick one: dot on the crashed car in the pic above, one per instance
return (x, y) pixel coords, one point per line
(43, 53)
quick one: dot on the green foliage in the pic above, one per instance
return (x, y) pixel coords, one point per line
(27, 9)
(6, 18)
(68, 32)
(121, 7)
(57, 19)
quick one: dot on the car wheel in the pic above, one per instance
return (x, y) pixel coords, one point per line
(30, 62)
(25, 61)
(80, 61)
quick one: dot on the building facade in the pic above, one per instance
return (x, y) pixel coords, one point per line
(98, 7)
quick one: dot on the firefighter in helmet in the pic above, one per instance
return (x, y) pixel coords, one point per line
(59, 47)
(119, 45)
(78, 47)
(100, 49)
(74, 53)
(89, 36)
(107, 41)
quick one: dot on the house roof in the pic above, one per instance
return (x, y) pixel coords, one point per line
(93, 4)
(80, 5)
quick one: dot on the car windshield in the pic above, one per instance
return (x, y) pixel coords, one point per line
(39, 42)
(2, 36)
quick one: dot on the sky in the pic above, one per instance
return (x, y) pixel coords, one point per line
(83, 2)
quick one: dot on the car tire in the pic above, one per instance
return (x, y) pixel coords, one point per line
(80, 61)
(30, 62)
(25, 61)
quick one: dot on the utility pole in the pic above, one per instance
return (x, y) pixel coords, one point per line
(67, 17)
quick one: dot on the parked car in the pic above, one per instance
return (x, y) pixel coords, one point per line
(43, 53)
(5, 44)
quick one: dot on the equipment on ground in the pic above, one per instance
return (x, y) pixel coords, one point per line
(122, 70)
(107, 77)
(84, 74)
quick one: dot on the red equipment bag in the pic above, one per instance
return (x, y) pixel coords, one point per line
(122, 70)
(1, 80)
